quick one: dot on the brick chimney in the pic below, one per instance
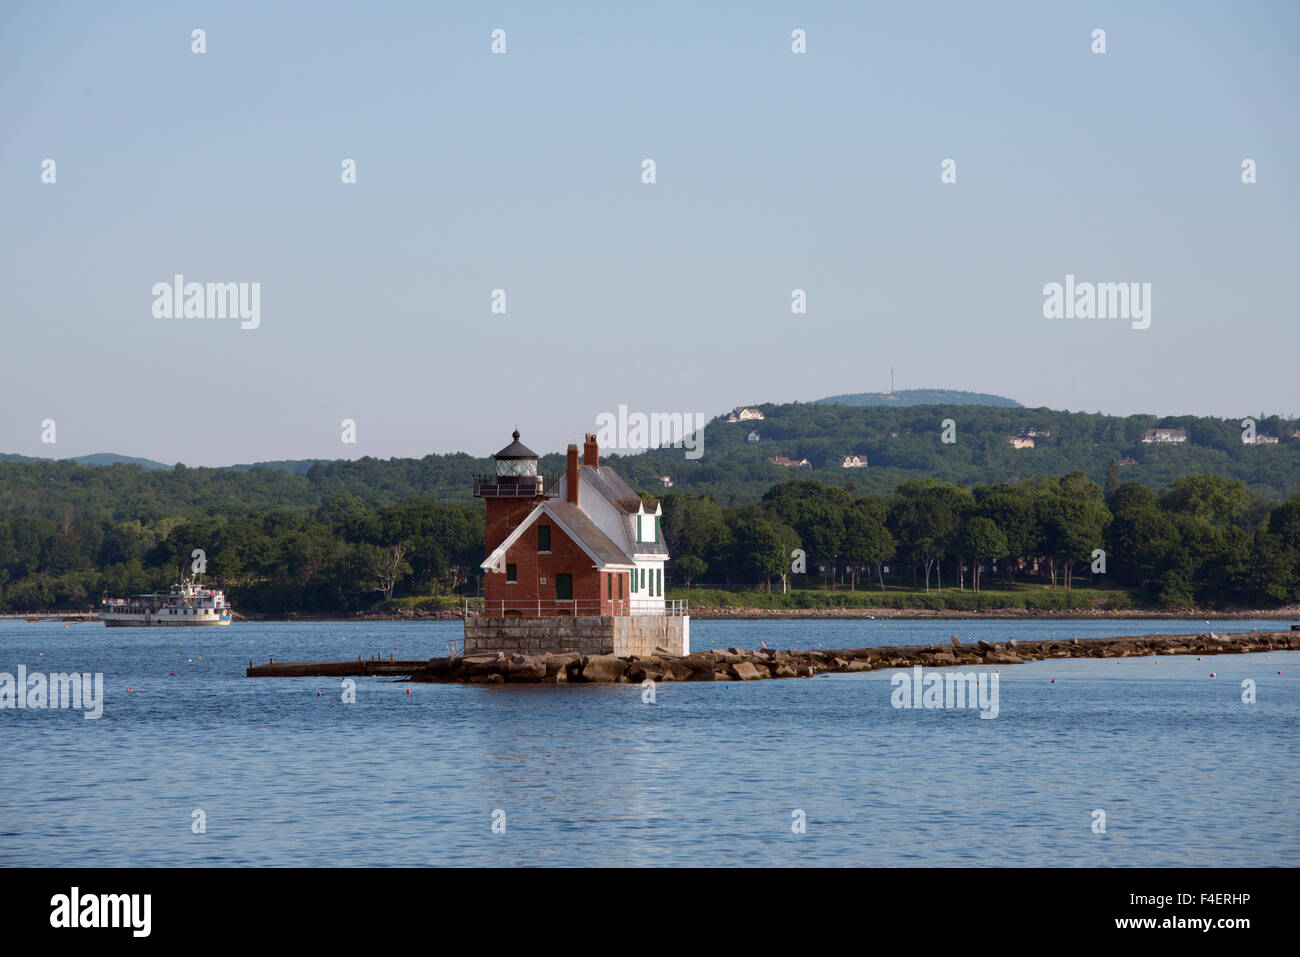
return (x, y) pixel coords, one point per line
(571, 476)
(590, 451)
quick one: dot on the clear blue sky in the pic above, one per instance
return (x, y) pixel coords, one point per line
(775, 171)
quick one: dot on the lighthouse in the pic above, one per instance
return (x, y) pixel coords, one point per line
(512, 492)
(573, 566)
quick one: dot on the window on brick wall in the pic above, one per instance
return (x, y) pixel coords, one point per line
(543, 538)
(512, 574)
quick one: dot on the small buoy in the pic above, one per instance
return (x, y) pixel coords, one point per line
(1053, 681)
(408, 690)
(130, 689)
(318, 694)
(1211, 674)
(1198, 659)
(173, 674)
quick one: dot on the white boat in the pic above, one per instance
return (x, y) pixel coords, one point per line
(186, 604)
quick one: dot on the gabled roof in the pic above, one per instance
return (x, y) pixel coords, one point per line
(607, 482)
(603, 552)
(610, 486)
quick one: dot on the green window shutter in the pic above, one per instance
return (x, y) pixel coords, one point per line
(512, 574)
(543, 538)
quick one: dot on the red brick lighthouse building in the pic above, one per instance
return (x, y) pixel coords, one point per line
(577, 567)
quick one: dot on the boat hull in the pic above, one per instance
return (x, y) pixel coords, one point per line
(160, 623)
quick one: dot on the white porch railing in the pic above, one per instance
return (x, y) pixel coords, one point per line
(547, 607)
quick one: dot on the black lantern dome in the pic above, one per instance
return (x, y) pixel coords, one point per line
(516, 459)
(516, 474)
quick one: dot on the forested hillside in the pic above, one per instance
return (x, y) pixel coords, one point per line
(902, 444)
(1211, 521)
(731, 466)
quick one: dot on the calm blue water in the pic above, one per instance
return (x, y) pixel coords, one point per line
(709, 774)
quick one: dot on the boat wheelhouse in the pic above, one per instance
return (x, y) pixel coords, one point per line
(186, 604)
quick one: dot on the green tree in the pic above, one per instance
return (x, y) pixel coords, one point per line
(982, 539)
(689, 567)
(764, 547)
(866, 540)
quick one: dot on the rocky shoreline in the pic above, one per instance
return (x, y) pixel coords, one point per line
(735, 664)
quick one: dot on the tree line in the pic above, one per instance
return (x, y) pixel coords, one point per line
(344, 556)
(1203, 539)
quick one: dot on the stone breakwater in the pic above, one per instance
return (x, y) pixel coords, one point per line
(736, 664)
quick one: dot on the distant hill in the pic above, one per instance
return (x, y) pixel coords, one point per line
(908, 397)
(112, 458)
(97, 458)
(296, 466)
(899, 443)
